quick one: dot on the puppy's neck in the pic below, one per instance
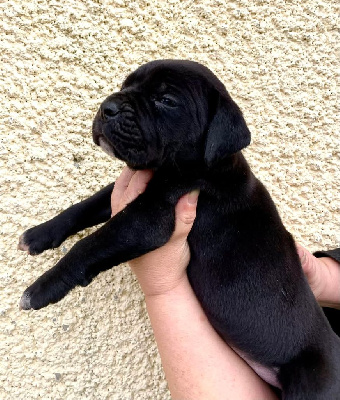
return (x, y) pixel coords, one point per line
(233, 166)
(233, 169)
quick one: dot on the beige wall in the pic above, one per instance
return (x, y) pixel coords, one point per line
(59, 60)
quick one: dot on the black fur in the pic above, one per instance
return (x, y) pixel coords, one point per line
(177, 118)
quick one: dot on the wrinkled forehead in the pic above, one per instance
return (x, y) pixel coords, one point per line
(161, 76)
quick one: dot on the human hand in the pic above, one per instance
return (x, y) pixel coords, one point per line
(161, 270)
(323, 275)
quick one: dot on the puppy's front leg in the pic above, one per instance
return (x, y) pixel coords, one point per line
(140, 228)
(50, 234)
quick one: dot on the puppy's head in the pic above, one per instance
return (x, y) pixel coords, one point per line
(170, 111)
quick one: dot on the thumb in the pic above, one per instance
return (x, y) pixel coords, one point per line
(307, 261)
(185, 214)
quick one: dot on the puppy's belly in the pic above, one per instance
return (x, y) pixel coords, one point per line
(268, 374)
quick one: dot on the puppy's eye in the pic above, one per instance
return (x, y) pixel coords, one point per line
(166, 100)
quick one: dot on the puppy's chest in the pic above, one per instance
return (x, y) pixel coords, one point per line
(214, 228)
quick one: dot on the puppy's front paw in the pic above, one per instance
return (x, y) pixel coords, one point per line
(40, 238)
(44, 291)
(25, 301)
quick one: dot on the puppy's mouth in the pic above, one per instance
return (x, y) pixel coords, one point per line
(107, 147)
(121, 138)
(100, 139)
(134, 158)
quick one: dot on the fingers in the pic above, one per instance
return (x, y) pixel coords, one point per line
(120, 186)
(313, 271)
(185, 215)
(128, 187)
(131, 184)
(137, 185)
(307, 261)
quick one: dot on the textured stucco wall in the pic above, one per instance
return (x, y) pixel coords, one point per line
(59, 60)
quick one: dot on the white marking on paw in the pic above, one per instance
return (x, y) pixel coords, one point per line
(22, 245)
(25, 302)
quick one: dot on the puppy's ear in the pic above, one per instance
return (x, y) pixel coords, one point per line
(227, 133)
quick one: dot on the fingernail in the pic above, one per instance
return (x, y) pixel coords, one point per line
(193, 197)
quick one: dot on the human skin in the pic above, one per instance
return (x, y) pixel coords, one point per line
(197, 363)
(323, 276)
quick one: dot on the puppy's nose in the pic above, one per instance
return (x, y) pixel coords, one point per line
(109, 109)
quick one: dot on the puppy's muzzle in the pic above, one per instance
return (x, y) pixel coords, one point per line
(109, 110)
(117, 132)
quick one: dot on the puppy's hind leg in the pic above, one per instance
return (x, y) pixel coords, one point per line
(49, 235)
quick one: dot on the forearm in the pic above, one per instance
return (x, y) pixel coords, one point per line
(198, 365)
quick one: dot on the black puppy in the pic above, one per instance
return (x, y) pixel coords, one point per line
(177, 118)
